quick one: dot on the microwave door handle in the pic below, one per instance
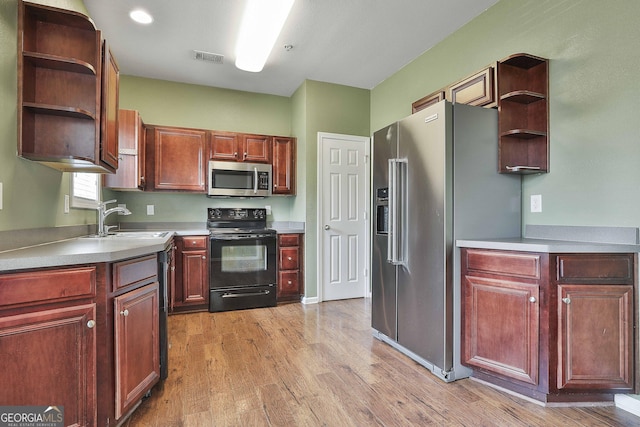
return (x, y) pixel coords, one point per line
(255, 180)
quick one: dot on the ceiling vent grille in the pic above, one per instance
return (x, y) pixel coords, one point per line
(208, 56)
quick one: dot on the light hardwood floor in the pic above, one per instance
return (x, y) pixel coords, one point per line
(318, 365)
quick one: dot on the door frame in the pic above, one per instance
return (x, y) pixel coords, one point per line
(319, 204)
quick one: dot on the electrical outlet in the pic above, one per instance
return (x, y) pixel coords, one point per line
(536, 203)
(150, 209)
(66, 203)
(268, 209)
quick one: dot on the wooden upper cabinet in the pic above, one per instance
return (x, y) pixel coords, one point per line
(238, 147)
(284, 161)
(224, 146)
(176, 159)
(427, 101)
(256, 148)
(478, 89)
(59, 90)
(131, 146)
(109, 122)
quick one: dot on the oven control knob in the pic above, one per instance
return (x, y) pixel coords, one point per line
(257, 214)
(217, 213)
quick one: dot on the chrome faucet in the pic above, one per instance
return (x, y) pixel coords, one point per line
(103, 213)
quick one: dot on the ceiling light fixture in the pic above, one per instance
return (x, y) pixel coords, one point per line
(140, 16)
(261, 24)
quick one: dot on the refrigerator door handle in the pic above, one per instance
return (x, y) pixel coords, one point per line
(397, 210)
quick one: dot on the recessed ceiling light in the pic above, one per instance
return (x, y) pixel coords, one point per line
(140, 16)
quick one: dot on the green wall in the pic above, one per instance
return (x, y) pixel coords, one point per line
(324, 107)
(593, 106)
(33, 195)
(178, 104)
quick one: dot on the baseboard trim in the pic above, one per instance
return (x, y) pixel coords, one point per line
(628, 403)
(310, 300)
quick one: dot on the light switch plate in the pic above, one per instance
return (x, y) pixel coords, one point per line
(0, 196)
(150, 209)
(66, 203)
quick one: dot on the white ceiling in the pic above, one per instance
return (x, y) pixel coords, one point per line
(356, 43)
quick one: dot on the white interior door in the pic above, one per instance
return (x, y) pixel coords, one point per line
(343, 212)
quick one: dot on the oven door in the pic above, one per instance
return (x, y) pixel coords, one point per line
(242, 260)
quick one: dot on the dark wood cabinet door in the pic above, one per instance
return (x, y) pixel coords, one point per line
(284, 171)
(136, 335)
(49, 358)
(194, 277)
(224, 146)
(130, 173)
(191, 288)
(109, 121)
(501, 327)
(595, 337)
(177, 157)
(478, 89)
(256, 148)
(427, 101)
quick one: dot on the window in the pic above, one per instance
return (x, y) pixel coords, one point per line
(85, 190)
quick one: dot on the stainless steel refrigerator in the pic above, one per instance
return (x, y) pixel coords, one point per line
(435, 179)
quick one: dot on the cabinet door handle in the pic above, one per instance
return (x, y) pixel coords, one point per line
(91, 324)
(532, 299)
(125, 312)
(566, 300)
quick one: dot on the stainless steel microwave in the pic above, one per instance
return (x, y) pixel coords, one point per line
(239, 179)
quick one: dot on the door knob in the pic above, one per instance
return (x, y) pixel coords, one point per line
(326, 227)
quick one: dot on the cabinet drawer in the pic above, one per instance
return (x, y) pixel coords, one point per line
(47, 286)
(505, 263)
(195, 242)
(598, 268)
(289, 259)
(289, 281)
(135, 271)
(288, 239)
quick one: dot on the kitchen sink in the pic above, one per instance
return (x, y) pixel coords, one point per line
(131, 235)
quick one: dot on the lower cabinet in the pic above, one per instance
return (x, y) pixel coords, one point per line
(554, 327)
(48, 341)
(191, 289)
(290, 271)
(137, 356)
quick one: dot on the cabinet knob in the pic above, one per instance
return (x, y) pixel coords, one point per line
(245, 155)
(289, 282)
(289, 258)
(91, 324)
(204, 257)
(125, 312)
(566, 300)
(532, 299)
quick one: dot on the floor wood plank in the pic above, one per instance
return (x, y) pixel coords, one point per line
(319, 365)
